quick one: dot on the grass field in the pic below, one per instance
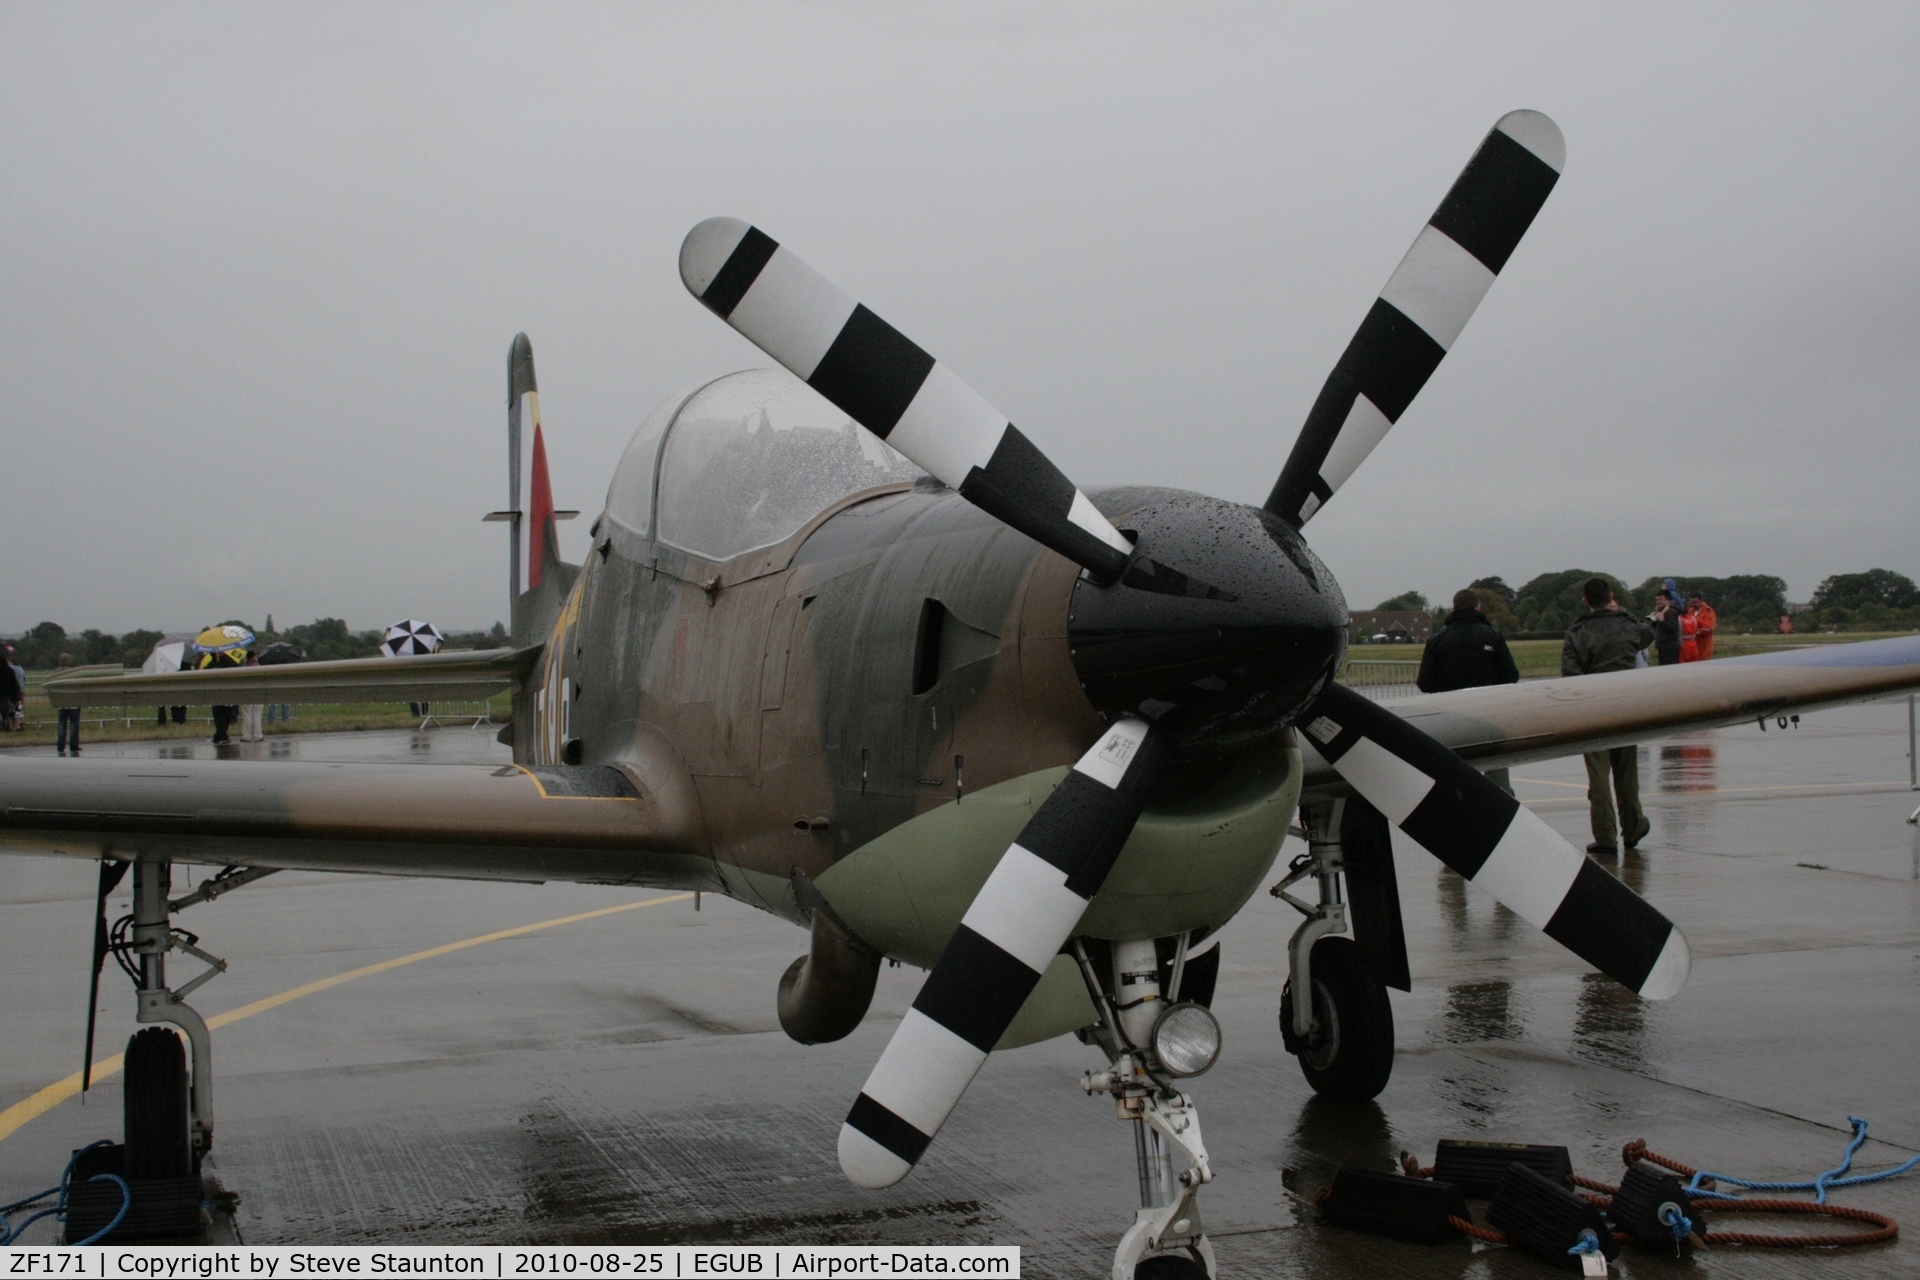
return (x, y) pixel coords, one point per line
(1542, 657)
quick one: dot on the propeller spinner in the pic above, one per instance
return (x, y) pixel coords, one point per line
(1211, 626)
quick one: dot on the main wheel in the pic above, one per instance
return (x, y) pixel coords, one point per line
(155, 1109)
(1170, 1266)
(1351, 1056)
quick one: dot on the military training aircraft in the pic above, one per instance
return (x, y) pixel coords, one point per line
(848, 647)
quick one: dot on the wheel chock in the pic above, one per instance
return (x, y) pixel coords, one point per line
(1548, 1220)
(1653, 1207)
(1477, 1167)
(1387, 1204)
(160, 1208)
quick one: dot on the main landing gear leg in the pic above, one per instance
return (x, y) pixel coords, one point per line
(154, 936)
(1343, 1036)
(1170, 1157)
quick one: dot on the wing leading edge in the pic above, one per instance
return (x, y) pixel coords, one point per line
(591, 824)
(1502, 725)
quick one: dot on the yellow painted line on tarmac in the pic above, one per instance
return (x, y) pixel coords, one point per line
(53, 1095)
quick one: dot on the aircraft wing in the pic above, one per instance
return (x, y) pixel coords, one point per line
(426, 678)
(1502, 725)
(592, 824)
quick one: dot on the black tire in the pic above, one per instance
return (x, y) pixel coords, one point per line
(158, 1144)
(1170, 1266)
(1354, 1056)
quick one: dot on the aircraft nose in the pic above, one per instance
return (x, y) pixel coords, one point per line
(1218, 632)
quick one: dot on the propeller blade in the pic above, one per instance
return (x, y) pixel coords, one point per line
(1018, 922)
(1427, 302)
(111, 873)
(1450, 809)
(892, 388)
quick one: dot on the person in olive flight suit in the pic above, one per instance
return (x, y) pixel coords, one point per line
(1606, 638)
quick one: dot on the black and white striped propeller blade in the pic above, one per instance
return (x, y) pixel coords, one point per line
(1427, 302)
(1018, 922)
(1453, 812)
(892, 388)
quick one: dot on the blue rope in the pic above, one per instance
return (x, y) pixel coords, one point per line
(1588, 1243)
(1677, 1222)
(1819, 1185)
(10, 1234)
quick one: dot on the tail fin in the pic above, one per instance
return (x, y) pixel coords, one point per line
(530, 493)
(538, 580)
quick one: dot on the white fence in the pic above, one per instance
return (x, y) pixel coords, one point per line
(1379, 679)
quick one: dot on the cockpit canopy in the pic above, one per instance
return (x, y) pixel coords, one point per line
(742, 463)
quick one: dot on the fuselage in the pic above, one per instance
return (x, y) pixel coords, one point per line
(896, 679)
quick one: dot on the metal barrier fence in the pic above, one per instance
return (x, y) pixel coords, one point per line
(475, 714)
(1380, 679)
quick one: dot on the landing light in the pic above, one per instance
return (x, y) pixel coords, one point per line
(1186, 1039)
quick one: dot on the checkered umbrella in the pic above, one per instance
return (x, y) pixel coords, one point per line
(405, 639)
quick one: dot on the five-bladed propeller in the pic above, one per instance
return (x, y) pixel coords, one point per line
(1249, 619)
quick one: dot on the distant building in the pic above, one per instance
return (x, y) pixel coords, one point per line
(1390, 626)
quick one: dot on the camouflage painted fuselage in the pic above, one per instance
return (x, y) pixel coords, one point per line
(876, 703)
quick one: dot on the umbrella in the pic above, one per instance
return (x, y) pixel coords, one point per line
(219, 645)
(405, 639)
(280, 653)
(169, 655)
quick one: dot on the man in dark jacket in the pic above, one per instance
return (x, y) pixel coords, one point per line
(1666, 627)
(1466, 652)
(1606, 638)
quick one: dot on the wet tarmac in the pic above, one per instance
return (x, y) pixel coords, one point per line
(623, 1079)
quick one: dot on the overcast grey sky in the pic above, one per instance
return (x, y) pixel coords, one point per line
(261, 266)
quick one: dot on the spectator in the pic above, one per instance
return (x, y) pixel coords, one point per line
(69, 730)
(1786, 624)
(1605, 638)
(250, 730)
(1689, 641)
(1666, 627)
(1466, 653)
(1705, 623)
(13, 690)
(19, 710)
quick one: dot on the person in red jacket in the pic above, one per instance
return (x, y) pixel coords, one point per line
(1705, 623)
(1689, 637)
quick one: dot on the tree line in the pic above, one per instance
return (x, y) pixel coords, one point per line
(1877, 600)
(43, 646)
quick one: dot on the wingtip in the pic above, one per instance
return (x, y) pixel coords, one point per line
(1670, 970)
(868, 1164)
(1537, 133)
(706, 249)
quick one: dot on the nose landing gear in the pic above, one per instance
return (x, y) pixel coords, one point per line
(1166, 1240)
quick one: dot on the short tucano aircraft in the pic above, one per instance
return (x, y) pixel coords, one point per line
(848, 647)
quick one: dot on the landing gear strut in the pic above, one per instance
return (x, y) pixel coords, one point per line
(1343, 1035)
(141, 943)
(1166, 1241)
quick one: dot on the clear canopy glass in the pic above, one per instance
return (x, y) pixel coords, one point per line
(748, 459)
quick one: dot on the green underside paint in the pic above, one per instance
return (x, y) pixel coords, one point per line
(1185, 867)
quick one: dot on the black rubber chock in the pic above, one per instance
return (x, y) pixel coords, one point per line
(1644, 1192)
(1546, 1219)
(1477, 1167)
(1387, 1204)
